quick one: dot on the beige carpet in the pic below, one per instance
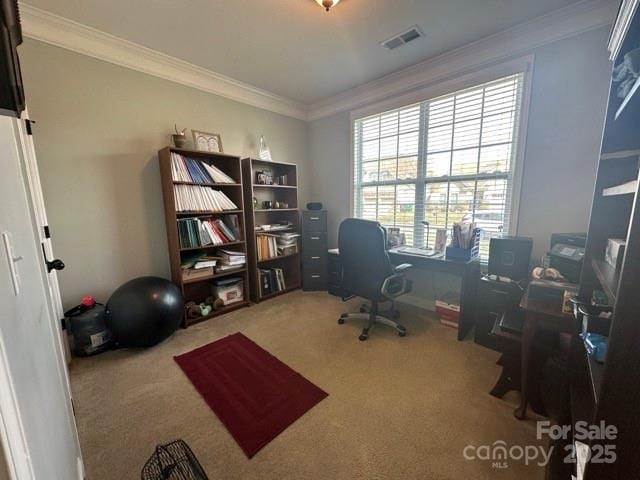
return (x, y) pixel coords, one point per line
(398, 408)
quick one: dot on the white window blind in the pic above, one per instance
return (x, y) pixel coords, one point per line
(439, 161)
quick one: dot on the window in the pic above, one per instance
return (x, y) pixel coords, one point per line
(440, 161)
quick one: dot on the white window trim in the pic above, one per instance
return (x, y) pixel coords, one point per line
(523, 65)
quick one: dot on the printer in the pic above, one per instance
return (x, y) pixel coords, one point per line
(567, 253)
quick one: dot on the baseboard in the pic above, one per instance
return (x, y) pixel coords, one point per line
(80, 466)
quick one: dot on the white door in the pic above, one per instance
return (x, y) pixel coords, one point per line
(37, 426)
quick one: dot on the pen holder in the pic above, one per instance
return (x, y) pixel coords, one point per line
(466, 254)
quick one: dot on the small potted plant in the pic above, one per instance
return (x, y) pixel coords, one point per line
(179, 138)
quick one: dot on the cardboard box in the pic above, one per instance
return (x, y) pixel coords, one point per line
(196, 273)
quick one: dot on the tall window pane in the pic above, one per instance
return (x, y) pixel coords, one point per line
(452, 155)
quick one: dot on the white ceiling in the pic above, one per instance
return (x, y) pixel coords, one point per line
(292, 47)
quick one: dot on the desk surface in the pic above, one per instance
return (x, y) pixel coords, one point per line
(439, 259)
(439, 264)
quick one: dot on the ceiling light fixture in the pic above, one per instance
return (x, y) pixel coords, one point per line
(327, 4)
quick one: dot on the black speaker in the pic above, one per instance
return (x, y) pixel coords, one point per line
(510, 257)
(314, 206)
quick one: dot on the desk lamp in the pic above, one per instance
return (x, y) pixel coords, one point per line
(429, 252)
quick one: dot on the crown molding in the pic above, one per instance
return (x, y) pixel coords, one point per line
(62, 32)
(521, 39)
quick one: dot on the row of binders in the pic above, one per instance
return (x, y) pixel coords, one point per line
(185, 169)
(276, 245)
(194, 198)
(271, 281)
(193, 232)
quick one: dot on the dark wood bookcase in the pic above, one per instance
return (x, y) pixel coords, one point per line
(255, 194)
(610, 392)
(199, 289)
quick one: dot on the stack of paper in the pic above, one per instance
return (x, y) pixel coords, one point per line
(287, 243)
(229, 260)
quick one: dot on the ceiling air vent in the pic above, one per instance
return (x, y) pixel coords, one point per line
(403, 38)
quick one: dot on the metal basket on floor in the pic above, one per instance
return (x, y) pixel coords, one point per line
(173, 461)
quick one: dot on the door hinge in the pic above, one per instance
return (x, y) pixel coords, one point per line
(47, 232)
(63, 324)
(28, 124)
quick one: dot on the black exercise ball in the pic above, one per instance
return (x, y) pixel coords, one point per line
(144, 311)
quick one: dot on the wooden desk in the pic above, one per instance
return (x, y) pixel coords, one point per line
(537, 316)
(469, 272)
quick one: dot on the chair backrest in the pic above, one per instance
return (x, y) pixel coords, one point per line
(363, 254)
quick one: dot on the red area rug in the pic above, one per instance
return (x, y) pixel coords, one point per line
(253, 393)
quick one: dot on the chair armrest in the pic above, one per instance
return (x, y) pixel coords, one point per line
(397, 284)
(402, 268)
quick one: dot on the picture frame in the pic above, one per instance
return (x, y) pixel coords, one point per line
(207, 142)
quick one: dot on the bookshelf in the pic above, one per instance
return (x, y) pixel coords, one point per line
(607, 392)
(283, 195)
(198, 289)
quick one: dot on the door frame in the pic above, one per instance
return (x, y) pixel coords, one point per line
(34, 187)
(12, 437)
(11, 429)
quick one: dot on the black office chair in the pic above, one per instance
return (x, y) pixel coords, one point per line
(367, 272)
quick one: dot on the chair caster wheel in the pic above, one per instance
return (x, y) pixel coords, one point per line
(402, 333)
(363, 337)
(340, 321)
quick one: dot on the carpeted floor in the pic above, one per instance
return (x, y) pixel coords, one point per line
(398, 408)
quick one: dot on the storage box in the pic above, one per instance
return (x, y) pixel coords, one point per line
(196, 273)
(614, 252)
(229, 290)
(448, 310)
(465, 254)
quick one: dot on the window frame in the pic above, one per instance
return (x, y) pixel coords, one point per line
(523, 65)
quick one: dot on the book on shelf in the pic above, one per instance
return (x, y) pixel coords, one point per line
(184, 169)
(197, 265)
(194, 232)
(230, 260)
(271, 245)
(206, 262)
(196, 198)
(271, 281)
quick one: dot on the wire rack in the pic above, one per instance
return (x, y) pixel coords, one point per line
(173, 461)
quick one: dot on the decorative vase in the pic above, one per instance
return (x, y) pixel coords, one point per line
(180, 141)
